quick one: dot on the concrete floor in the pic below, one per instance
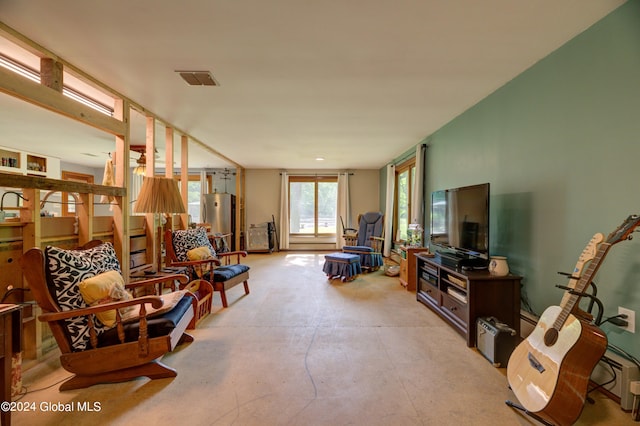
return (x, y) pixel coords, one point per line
(300, 350)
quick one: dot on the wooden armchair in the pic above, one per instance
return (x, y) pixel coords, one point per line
(192, 248)
(132, 347)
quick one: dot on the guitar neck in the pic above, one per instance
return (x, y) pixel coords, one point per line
(581, 285)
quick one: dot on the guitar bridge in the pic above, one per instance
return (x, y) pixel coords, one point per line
(535, 363)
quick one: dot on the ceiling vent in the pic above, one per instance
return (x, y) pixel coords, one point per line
(198, 78)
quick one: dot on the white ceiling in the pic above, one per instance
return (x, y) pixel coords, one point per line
(355, 82)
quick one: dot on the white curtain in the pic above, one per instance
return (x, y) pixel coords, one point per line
(417, 198)
(204, 189)
(344, 208)
(203, 182)
(284, 211)
(388, 215)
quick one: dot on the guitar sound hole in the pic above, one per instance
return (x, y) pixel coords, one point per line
(551, 337)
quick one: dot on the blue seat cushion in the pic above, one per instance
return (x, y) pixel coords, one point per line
(225, 273)
(342, 257)
(342, 264)
(156, 326)
(368, 258)
(359, 249)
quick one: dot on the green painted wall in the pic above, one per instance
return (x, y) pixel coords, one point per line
(560, 145)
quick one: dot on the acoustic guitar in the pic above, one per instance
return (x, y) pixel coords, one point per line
(549, 371)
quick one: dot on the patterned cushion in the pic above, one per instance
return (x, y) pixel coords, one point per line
(187, 239)
(66, 269)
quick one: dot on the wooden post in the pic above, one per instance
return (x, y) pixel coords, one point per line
(153, 245)
(121, 210)
(184, 178)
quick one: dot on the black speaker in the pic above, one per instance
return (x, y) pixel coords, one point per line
(495, 340)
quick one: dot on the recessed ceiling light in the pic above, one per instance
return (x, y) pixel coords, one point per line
(319, 158)
(198, 78)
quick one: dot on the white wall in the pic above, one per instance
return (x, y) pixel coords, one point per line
(263, 194)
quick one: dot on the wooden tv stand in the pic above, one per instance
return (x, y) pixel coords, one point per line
(461, 297)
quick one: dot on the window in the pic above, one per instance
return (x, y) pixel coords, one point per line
(193, 196)
(313, 205)
(405, 180)
(69, 200)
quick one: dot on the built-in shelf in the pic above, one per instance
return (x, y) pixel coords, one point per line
(10, 159)
(36, 164)
(25, 163)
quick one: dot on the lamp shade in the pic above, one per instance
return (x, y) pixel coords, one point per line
(159, 195)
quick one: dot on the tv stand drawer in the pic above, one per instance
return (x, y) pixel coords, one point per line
(456, 310)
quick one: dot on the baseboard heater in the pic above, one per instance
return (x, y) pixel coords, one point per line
(625, 371)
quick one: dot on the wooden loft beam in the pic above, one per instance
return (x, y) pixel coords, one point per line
(40, 95)
(11, 180)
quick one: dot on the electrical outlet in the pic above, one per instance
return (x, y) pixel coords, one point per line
(631, 319)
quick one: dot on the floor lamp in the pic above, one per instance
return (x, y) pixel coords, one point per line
(159, 195)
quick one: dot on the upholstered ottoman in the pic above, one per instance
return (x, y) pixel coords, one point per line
(342, 265)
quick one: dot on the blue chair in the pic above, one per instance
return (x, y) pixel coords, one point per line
(367, 240)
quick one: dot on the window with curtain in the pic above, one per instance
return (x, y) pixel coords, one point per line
(313, 204)
(405, 181)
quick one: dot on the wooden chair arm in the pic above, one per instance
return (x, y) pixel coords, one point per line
(231, 253)
(227, 256)
(221, 235)
(196, 262)
(142, 282)
(350, 239)
(155, 301)
(376, 243)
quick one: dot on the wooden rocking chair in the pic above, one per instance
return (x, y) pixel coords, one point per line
(126, 350)
(367, 240)
(222, 270)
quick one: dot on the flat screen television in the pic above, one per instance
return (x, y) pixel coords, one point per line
(460, 223)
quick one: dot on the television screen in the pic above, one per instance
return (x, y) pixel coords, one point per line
(460, 220)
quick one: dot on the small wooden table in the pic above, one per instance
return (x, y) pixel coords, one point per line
(10, 337)
(408, 266)
(158, 288)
